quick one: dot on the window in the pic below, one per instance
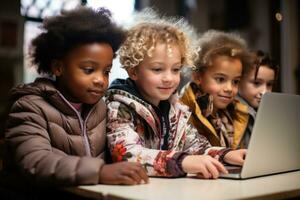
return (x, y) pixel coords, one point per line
(35, 10)
(122, 11)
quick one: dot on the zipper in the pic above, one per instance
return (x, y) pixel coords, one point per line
(82, 126)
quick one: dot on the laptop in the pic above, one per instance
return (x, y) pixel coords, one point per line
(274, 145)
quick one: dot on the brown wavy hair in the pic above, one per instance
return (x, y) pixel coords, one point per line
(215, 43)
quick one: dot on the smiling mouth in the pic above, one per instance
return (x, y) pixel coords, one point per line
(225, 99)
(165, 88)
(258, 98)
(96, 92)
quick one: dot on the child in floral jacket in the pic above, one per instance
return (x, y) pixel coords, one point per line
(146, 122)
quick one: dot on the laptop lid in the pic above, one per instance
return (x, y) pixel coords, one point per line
(275, 140)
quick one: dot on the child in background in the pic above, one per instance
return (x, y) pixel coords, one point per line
(146, 123)
(257, 80)
(55, 131)
(222, 57)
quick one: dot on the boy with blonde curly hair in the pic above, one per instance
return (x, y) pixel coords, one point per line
(146, 122)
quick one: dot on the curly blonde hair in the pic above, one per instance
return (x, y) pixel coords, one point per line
(152, 29)
(214, 43)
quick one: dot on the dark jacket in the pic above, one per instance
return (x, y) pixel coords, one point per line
(49, 142)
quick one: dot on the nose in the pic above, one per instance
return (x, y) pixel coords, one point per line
(167, 76)
(228, 87)
(98, 79)
(264, 89)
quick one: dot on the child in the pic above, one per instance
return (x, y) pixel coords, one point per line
(146, 123)
(258, 79)
(56, 128)
(219, 65)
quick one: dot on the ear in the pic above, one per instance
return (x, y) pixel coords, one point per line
(132, 73)
(196, 77)
(57, 67)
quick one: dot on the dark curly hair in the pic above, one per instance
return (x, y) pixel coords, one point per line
(263, 59)
(63, 32)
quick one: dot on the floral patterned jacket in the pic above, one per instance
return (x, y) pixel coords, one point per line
(133, 132)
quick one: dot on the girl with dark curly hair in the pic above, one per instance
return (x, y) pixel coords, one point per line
(55, 131)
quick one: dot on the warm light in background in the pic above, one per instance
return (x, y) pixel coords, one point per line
(278, 16)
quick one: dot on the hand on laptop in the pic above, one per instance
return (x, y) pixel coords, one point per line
(236, 157)
(204, 166)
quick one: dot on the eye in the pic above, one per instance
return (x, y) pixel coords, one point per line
(219, 79)
(107, 72)
(88, 70)
(156, 69)
(270, 85)
(236, 82)
(176, 70)
(256, 83)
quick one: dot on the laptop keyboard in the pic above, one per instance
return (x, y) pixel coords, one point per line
(233, 169)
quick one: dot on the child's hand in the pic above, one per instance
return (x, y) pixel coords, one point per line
(123, 173)
(236, 157)
(203, 165)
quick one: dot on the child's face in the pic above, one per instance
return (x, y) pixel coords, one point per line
(158, 76)
(252, 89)
(83, 74)
(221, 80)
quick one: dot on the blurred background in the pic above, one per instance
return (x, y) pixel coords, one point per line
(269, 25)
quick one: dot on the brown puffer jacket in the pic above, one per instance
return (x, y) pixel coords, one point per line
(49, 142)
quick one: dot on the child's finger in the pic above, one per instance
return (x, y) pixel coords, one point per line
(200, 175)
(206, 174)
(240, 161)
(133, 175)
(220, 167)
(244, 153)
(142, 173)
(126, 180)
(213, 170)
